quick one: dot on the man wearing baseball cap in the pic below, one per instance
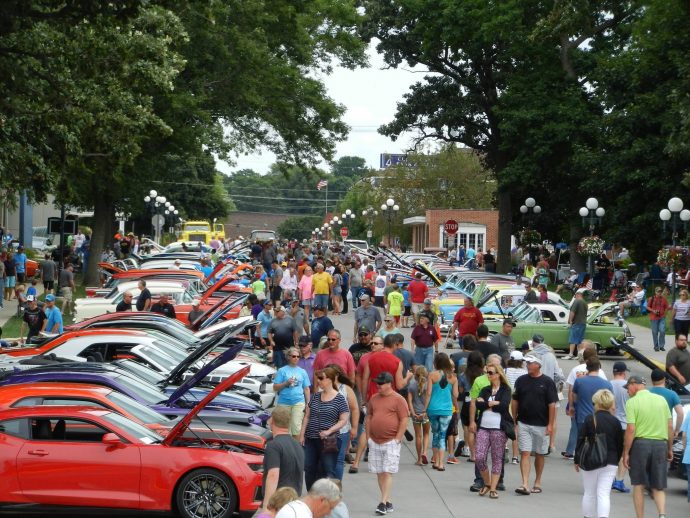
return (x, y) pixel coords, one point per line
(534, 410)
(428, 312)
(367, 315)
(53, 324)
(195, 312)
(307, 355)
(320, 325)
(33, 317)
(385, 425)
(648, 443)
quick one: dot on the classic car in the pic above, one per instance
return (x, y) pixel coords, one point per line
(602, 325)
(106, 460)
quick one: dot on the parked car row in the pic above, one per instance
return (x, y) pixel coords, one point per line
(136, 410)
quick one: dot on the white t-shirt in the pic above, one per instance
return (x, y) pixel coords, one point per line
(295, 509)
(581, 370)
(380, 285)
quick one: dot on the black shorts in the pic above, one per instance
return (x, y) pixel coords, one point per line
(408, 311)
(648, 464)
(452, 425)
(21, 277)
(48, 285)
(378, 302)
(465, 414)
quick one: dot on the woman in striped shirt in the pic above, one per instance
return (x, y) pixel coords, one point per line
(326, 414)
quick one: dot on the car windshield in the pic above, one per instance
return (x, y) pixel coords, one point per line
(150, 394)
(141, 412)
(134, 429)
(196, 228)
(161, 359)
(142, 371)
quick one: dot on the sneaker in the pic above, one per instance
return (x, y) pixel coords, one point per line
(515, 460)
(389, 507)
(452, 460)
(501, 486)
(381, 509)
(568, 357)
(465, 451)
(475, 488)
(662, 349)
(619, 486)
(567, 455)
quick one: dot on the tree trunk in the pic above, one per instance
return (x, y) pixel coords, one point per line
(103, 213)
(577, 262)
(503, 264)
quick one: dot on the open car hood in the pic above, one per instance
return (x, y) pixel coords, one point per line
(183, 424)
(600, 310)
(194, 380)
(202, 350)
(220, 313)
(219, 327)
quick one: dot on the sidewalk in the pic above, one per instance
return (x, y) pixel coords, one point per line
(6, 312)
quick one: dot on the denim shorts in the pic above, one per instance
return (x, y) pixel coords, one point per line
(577, 333)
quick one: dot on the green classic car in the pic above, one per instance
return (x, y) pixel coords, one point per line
(602, 325)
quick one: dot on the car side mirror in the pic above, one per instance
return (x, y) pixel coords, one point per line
(111, 439)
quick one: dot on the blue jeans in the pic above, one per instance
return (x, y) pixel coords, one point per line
(279, 359)
(321, 300)
(343, 446)
(572, 437)
(658, 333)
(355, 296)
(318, 464)
(439, 427)
(424, 356)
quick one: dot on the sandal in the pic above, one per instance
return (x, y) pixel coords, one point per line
(425, 460)
(522, 490)
(483, 491)
(353, 469)
(536, 490)
(493, 494)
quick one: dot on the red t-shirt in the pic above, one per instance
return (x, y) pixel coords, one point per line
(379, 362)
(468, 320)
(342, 358)
(655, 304)
(418, 291)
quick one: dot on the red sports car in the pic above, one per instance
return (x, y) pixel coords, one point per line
(92, 457)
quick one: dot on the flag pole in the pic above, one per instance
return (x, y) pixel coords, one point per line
(326, 199)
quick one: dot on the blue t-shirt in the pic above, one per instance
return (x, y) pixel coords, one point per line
(264, 319)
(20, 262)
(54, 317)
(295, 394)
(406, 298)
(686, 432)
(671, 397)
(206, 270)
(585, 387)
(319, 328)
(31, 290)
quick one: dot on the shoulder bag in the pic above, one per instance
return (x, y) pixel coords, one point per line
(329, 444)
(592, 451)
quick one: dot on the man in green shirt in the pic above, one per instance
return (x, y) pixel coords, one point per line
(578, 323)
(648, 444)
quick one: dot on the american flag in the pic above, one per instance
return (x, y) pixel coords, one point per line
(321, 185)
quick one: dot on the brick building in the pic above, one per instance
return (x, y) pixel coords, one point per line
(476, 228)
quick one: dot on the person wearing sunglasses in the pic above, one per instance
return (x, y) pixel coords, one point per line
(334, 354)
(326, 413)
(292, 384)
(493, 404)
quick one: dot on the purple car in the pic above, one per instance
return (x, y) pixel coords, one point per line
(179, 403)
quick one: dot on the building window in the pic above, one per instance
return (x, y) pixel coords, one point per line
(473, 236)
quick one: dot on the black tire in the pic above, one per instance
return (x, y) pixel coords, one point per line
(206, 493)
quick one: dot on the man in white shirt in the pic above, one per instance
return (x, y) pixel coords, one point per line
(634, 299)
(322, 498)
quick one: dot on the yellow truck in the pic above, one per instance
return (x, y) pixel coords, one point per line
(201, 231)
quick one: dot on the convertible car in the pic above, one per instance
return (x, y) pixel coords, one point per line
(106, 460)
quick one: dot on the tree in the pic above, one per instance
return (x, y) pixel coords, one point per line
(299, 227)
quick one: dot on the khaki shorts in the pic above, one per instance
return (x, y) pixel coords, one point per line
(66, 293)
(416, 308)
(296, 417)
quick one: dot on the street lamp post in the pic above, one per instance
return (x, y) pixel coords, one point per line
(591, 215)
(370, 214)
(161, 208)
(388, 208)
(528, 211)
(674, 214)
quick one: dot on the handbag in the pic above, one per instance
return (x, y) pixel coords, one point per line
(508, 428)
(591, 452)
(329, 444)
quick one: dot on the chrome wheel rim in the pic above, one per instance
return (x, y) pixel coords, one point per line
(206, 496)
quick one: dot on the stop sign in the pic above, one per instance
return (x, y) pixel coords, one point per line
(343, 232)
(451, 227)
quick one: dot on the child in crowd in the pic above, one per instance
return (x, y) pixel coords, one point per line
(416, 401)
(282, 496)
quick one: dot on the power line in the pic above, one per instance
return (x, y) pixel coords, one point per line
(313, 200)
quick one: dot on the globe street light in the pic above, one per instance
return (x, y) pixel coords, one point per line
(591, 215)
(528, 210)
(369, 214)
(674, 214)
(389, 208)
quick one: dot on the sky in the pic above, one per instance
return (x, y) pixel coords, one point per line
(370, 96)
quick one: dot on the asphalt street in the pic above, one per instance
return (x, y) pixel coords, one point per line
(424, 492)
